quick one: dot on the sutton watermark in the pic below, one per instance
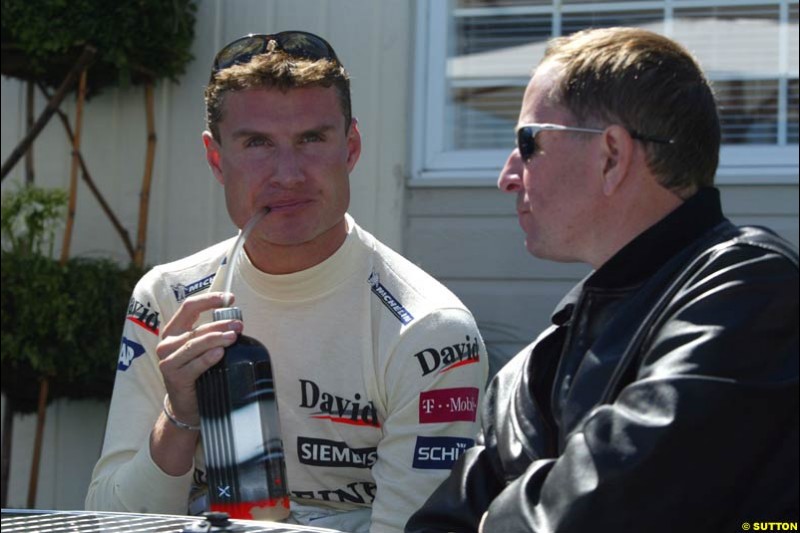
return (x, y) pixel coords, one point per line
(769, 526)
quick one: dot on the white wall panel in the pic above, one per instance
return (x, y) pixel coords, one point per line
(72, 439)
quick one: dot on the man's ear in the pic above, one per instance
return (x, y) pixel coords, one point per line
(617, 154)
(213, 156)
(353, 145)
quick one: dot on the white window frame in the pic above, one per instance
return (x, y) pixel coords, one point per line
(433, 166)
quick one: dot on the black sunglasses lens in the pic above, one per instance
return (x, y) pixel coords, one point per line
(240, 51)
(526, 142)
(305, 45)
(294, 43)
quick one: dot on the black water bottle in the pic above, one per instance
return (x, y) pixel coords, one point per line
(241, 431)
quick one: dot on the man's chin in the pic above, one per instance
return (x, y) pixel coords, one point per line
(539, 250)
(535, 248)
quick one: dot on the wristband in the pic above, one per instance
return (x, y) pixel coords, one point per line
(175, 422)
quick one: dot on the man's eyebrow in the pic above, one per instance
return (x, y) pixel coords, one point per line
(318, 129)
(245, 132)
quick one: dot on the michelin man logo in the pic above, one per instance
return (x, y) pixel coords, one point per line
(374, 279)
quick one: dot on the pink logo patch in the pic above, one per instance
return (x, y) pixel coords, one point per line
(448, 405)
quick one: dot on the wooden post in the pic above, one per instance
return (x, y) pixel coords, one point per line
(33, 481)
(144, 195)
(73, 178)
(82, 64)
(123, 233)
(8, 434)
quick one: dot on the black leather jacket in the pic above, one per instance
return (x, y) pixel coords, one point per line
(663, 398)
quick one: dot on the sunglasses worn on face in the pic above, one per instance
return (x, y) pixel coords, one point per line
(295, 43)
(526, 136)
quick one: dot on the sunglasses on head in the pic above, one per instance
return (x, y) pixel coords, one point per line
(526, 136)
(295, 43)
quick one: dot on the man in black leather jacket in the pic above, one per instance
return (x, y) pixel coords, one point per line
(664, 396)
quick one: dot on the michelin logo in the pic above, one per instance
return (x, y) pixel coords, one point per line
(388, 300)
(127, 353)
(182, 291)
(439, 452)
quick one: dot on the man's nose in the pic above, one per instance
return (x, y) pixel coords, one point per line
(288, 168)
(510, 179)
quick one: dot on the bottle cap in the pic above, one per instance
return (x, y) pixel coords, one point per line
(227, 313)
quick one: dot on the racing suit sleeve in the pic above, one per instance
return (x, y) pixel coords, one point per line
(704, 437)
(429, 389)
(125, 478)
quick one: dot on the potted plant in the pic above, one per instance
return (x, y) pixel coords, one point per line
(60, 321)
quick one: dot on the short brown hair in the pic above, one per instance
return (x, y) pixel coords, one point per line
(649, 84)
(278, 70)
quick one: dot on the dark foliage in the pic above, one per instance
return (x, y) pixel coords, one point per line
(63, 322)
(137, 41)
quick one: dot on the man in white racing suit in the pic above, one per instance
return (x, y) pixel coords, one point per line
(379, 369)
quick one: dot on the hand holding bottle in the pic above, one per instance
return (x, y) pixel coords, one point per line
(187, 351)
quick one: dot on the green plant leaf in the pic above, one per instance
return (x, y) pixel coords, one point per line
(61, 322)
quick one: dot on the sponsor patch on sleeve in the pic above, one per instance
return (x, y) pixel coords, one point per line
(182, 291)
(446, 358)
(448, 405)
(128, 351)
(386, 298)
(439, 452)
(143, 316)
